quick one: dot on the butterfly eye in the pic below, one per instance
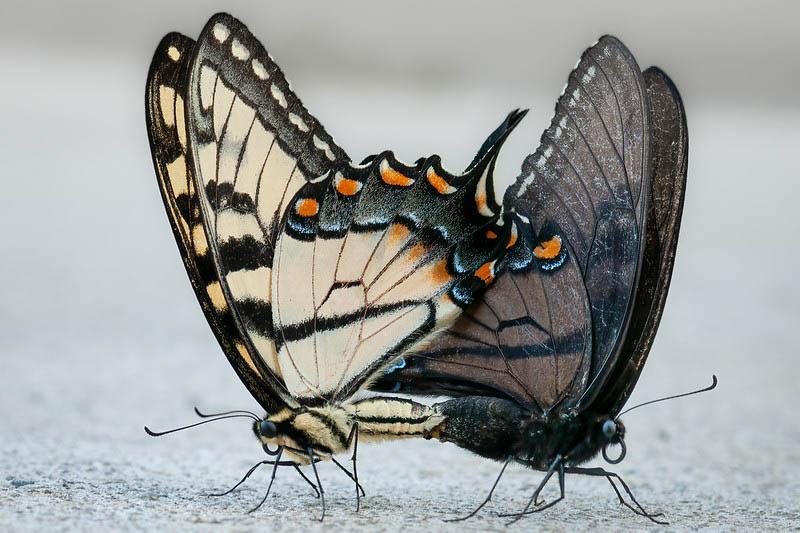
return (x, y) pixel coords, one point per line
(267, 429)
(609, 428)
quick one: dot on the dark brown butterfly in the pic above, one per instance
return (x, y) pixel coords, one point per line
(541, 366)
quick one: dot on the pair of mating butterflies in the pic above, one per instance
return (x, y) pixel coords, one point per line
(322, 278)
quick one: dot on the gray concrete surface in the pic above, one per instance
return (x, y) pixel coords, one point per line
(100, 333)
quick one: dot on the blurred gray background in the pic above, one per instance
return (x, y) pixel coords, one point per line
(100, 332)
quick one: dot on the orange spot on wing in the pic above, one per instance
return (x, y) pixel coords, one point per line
(392, 177)
(397, 233)
(480, 201)
(485, 272)
(490, 234)
(439, 273)
(347, 187)
(512, 240)
(439, 183)
(548, 249)
(307, 207)
(417, 251)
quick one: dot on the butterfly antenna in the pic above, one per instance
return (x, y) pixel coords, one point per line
(159, 433)
(706, 389)
(236, 411)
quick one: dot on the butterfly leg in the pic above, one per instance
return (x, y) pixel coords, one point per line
(557, 464)
(319, 484)
(349, 474)
(247, 475)
(271, 479)
(354, 438)
(302, 475)
(610, 476)
(530, 465)
(488, 496)
(561, 477)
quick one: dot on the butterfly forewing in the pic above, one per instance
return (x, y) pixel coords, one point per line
(669, 149)
(253, 145)
(166, 93)
(595, 155)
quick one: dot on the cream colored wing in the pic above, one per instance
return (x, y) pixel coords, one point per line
(372, 260)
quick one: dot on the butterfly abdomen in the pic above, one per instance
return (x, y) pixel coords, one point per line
(394, 418)
(487, 426)
(331, 429)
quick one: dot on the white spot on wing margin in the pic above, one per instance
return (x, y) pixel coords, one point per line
(259, 69)
(239, 50)
(299, 122)
(322, 145)
(221, 32)
(278, 95)
(173, 53)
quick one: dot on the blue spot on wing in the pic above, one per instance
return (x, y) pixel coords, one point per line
(397, 366)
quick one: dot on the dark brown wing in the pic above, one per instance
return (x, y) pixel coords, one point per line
(669, 148)
(527, 338)
(552, 324)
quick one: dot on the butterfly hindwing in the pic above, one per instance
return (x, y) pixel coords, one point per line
(507, 342)
(392, 253)
(595, 154)
(165, 98)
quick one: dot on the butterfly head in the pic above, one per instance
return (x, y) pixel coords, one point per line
(579, 436)
(613, 432)
(275, 433)
(277, 442)
(301, 433)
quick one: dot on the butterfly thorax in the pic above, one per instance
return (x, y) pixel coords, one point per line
(331, 429)
(576, 437)
(498, 428)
